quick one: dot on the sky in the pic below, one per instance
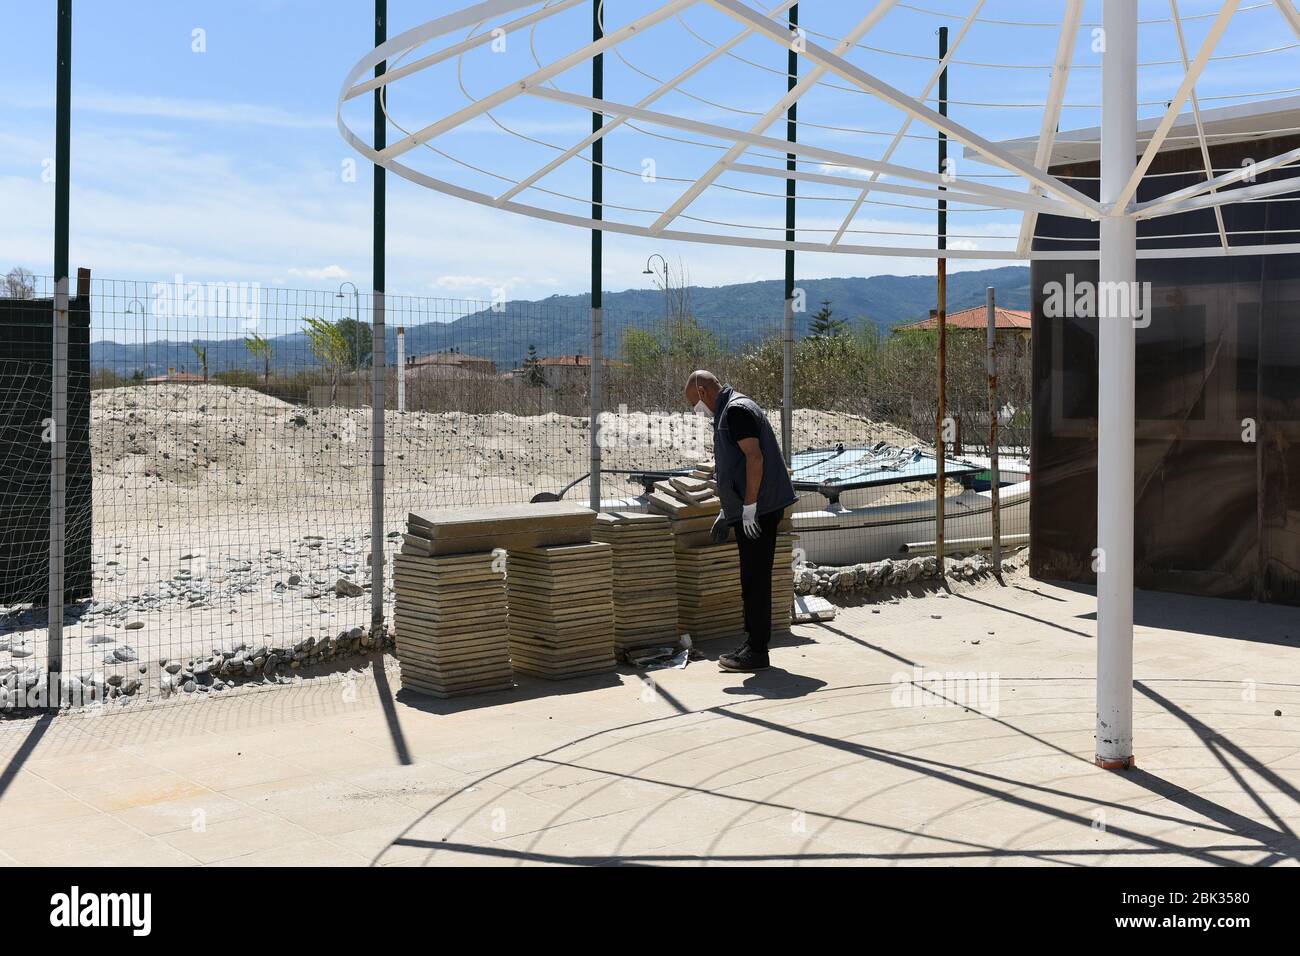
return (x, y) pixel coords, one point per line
(205, 145)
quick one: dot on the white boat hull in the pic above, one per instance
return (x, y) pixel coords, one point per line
(840, 535)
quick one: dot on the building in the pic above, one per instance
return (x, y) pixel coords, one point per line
(449, 364)
(567, 371)
(1009, 325)
(1217, 451)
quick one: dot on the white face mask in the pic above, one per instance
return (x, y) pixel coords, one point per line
(702, 410)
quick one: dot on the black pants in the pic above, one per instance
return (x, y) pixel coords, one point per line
(756, 556)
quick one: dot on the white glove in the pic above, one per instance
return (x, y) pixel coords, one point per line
(749, 518)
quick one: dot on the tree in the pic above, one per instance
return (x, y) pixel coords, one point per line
(18, 284)
(642, 351)
(533, 369)
(359, 340)
(260, 347)
(823, 325)
(202, 354)
(330, 345)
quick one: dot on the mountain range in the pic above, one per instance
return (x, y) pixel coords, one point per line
(737, 315)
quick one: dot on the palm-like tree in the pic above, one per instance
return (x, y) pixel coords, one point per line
(332, 348)
(202, 354)
(260, 347)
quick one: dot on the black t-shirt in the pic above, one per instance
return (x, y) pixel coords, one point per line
(741, 422)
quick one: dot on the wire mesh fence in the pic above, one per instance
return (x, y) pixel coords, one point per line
(220, 440)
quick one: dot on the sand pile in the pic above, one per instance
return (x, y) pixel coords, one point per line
(196, 450)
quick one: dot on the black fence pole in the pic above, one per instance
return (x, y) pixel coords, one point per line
(378, 351)
(597, 255)
(59, 339)
(787, 333)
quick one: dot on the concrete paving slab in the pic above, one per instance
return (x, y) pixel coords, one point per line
(826, 759)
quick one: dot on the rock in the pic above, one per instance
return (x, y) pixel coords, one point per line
(131, 686)
(188, 687)
(99, 639)
(345, 588)
(134, 625)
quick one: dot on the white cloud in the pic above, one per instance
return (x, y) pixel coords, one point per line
(224, 112)
(324, 272)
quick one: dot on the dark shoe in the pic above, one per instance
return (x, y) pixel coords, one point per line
(745, 659)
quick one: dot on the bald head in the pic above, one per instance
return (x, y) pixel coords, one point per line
(702, 386)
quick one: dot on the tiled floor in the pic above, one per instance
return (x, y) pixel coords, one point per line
(832, 756)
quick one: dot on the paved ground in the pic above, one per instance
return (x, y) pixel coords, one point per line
(837, 755)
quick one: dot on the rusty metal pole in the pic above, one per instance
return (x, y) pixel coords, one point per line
(995, 517)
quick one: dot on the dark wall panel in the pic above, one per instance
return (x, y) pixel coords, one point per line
(26, 343)
(1217, 513)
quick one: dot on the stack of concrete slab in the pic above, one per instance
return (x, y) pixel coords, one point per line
(450, 624)
(708, 592)
(645, 578)
(690, 503)
(707, 574)
(685, 496)
(478, 530)
(561, 602)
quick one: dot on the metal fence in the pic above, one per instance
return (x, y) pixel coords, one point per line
(221, 440)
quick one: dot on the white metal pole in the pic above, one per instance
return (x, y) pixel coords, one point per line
(401, 369)
(1115, 411)
(58, 481)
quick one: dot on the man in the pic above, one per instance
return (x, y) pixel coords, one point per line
(755, 490)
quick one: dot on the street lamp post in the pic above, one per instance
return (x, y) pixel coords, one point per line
(649, 269)
(144, 330)
(356, 309)
(356, 298)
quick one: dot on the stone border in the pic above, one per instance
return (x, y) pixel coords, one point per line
(883, 578)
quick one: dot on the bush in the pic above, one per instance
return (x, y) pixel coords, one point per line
(238, 378)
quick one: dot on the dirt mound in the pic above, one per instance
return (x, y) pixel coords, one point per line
(216, 450)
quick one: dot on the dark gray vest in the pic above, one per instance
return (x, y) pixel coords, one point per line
(775, 491)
